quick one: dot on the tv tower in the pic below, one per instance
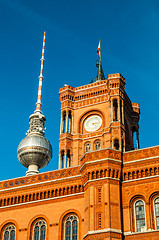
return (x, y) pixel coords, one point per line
(34, 151)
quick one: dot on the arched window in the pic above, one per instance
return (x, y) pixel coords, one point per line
(135, 140)
(39, 230)
(62, 158)
(69, 128)
(156, 203)
(71, 228)
(68, 159)
(88, 147)
(115, 110)
(116, 144)
(64, 122)
(97, 145)
(9, 233)
(140, 216)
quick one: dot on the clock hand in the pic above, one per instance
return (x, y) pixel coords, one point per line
(95, 123)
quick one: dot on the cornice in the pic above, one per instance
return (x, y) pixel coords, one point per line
(102, 231)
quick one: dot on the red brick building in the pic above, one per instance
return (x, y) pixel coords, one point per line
(105, 188)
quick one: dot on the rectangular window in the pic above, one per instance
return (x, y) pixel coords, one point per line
(99, 220)
(99, 195)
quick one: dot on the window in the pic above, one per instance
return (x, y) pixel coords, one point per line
(140, 216)
(69, 130)
(64, 122)
(116, 144)
(156, 203)
(62, 159)
(9, 233)
(39, 230)
(99, 195)
(135, 138)
(99, 220)
(88, 147)
(68, 159)
(115, 110)
(71, 228)
(97, 145)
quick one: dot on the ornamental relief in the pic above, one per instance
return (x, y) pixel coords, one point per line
(115, 155)
(62, 144)
(115, 131)
(43, 177)
(140, 165)
(101, 155)
(144, 190)
(141, 154)
(65, 143)
(87, 102)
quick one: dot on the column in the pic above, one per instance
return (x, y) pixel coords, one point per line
(68, 160)
(66, 130)
(118, 117)
(137, 134)
(65, 158)
(122, 113)
(111, 111)
(60, 161)
(132, 140)
(70, 122)
(61, 124)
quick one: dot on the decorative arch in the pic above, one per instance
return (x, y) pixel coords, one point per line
(97, 144)
(9, 226)
(88, 114)
(87, 147)
(32, 226)
(156, 212)
(63, 217)
(154, 209)
(137, 213)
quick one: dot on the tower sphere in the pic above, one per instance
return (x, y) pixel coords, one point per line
(34, 149)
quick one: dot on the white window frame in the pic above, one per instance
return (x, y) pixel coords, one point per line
(39, 228)
(135, 214)
(155, 211)
(12, 228)
(73, 215)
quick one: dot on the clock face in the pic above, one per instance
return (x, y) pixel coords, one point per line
(93, 123)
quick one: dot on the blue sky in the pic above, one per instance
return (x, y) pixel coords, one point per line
(129, 32)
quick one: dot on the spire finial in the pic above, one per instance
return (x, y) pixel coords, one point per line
(99, 50)
(38, 103)
(100, 74)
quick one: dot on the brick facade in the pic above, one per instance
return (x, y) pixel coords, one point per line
(100, 186)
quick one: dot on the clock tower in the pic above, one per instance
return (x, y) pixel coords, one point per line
(96, 116)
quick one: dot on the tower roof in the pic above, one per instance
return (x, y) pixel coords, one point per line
(100, 73)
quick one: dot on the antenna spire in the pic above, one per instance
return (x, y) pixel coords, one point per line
(38, 103)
